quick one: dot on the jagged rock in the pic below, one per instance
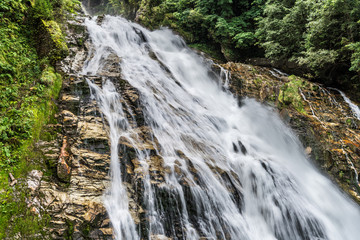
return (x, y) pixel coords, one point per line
(100, 19)
(107, 231)
(89, 130)
(159, 237)
(33, 180)
(63, 168)
(68, 116)
(111, 66)
(70, 99)
(96, 210)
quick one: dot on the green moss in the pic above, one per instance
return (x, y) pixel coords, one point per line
(70, 229)
(254, 70)
(349, 121)
(314, 87)
(58, 39)
(289, 94)
(24, 223)
(258, 82)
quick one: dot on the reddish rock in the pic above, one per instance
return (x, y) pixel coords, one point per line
(63, 169)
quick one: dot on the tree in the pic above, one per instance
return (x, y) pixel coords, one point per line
(320, 35)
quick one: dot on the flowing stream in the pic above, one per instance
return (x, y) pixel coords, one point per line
(235, 170)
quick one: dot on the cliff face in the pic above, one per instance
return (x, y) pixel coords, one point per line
(324, 122)
(80, 154)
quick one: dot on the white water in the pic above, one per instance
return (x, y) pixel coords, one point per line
(354, 108)
(116, 201)
(244, 171)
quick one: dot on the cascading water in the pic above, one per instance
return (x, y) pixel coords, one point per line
(354, 108)
(237, 171)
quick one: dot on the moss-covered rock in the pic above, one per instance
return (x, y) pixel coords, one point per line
(49, 77)
(52, 40)
(289, 94)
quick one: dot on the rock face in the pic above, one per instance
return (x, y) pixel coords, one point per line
(320, 117)
(79, 156)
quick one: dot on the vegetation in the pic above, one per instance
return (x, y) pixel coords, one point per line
(28, 85)
(227, 24)
(289, 94)
(324, 37)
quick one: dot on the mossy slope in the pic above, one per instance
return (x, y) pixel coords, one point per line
(29, 85)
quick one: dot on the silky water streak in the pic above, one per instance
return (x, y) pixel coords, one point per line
(235, 170)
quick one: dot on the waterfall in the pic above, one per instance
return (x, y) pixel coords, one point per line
(354, 108)
(234, 171)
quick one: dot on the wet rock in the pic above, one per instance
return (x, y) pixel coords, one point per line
(90, 130)
(70, 99)
(63, 168)
(159, 237)
(107, 232)
(111, 66)
(94, 213)
(79, 154)
(308, 151)
(285, 115)
(69, 120)
(100, 19)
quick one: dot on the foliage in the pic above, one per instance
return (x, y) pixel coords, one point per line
(355, 57)
(127, 8)
(43, 9)
(27, 86)
(289, 94)
(273, 31)
(51, 9)
(226, 23)
(58, 39)
(324, 34)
